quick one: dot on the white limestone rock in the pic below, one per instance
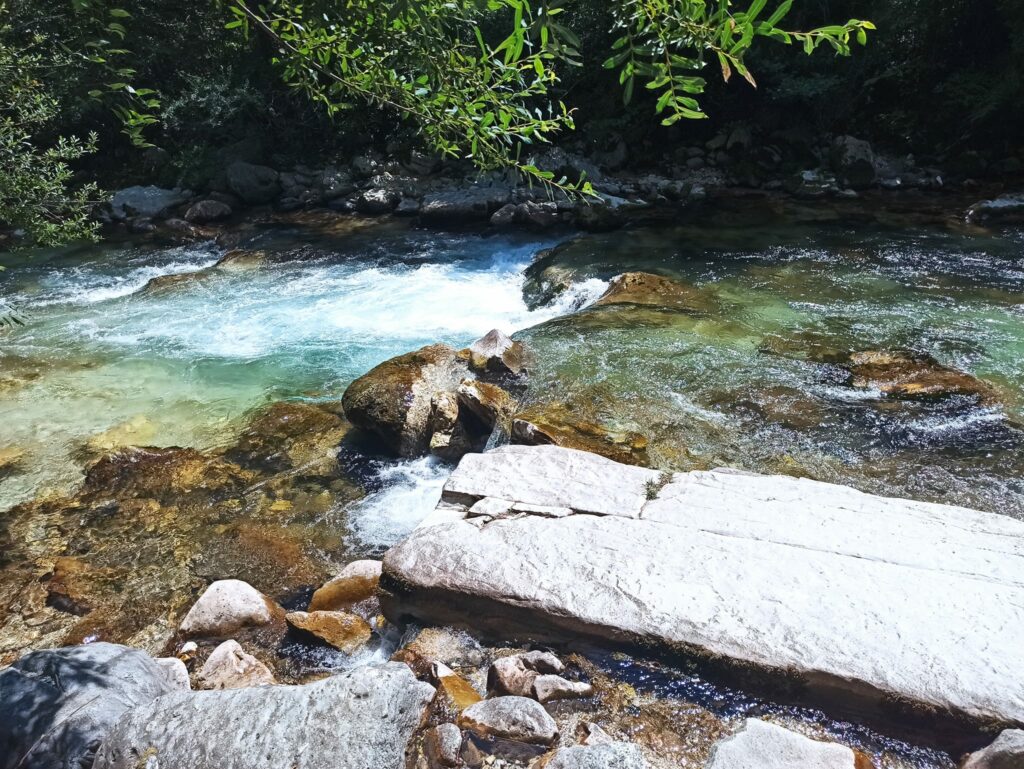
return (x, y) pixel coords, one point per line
(879, 597)
(510, 718)
(379, 707)
(766, 746)
(608, 755)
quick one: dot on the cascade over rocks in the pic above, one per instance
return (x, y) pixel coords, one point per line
(363, 718)
(57, 705)
(897, 613)
(766, 746)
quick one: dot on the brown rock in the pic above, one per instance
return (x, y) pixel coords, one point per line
(10, 458)
(393, 400)
(910, 376)
(356, 584)
(654, 290)
(345, 632)
(454, 693)
(290, 435)
(560, 425)
(496, 353)
(487, 402)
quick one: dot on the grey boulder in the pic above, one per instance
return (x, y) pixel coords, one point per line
(253, 184)
(356, 720)
(206, 211)
(146, 202)
(1007, 752)
(510, 718)
(57, 705)
(462, 205)
(609, 755)
(766, 746)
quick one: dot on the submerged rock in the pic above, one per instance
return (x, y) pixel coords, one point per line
(931, 626)
(510, 718)
(559, 424)
(229, 666)
(345, 632)
(453, 648)
(643, 288)
(1007, 752)
(766, 746)
(356, 583)
(56, 706)
(911, 376)
(226, 607)
(393, 400)
(610, 755)
(363, 718)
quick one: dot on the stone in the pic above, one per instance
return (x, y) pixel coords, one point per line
(811, 185)
(1007, 752)
(854, 162)
(1003, 208)
(254, 184)
(345, 632)
(10, 459)
(206, 211)
(766, 746)
(442, 745)
(57, 705)
(516, 673)
(226, 606)
(548, 688)
(375, 202)
(444, 412)
(496, 353)
(356, 583)
(146, 202)
(510, 718)
(487, 402)
(610, 755)
(643, 288)
(229, 666)
(175, 672)
(453, 648)
(911, 376)
(393, 400)
(380, 706)
(922, 606)
(559, 424)
(553, 477)
(462, 205)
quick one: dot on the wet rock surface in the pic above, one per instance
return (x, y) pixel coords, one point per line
(708, 545)
(354, 589)
(912, 376)
(642, 288)
(345, 632)
(298, 726)
(559, 424)
(56, 706)
(1007, 752)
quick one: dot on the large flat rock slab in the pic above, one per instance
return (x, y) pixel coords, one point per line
(889, 599)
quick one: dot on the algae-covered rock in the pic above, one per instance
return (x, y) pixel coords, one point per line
(644, 288)
(560, 424)
(912, 376)
(393, 400)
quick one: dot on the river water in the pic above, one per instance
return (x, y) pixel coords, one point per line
(113, 352)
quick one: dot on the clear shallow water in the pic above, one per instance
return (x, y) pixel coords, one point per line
(746, 381)
(179, 364)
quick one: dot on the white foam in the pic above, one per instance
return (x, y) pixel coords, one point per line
(411, 491)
